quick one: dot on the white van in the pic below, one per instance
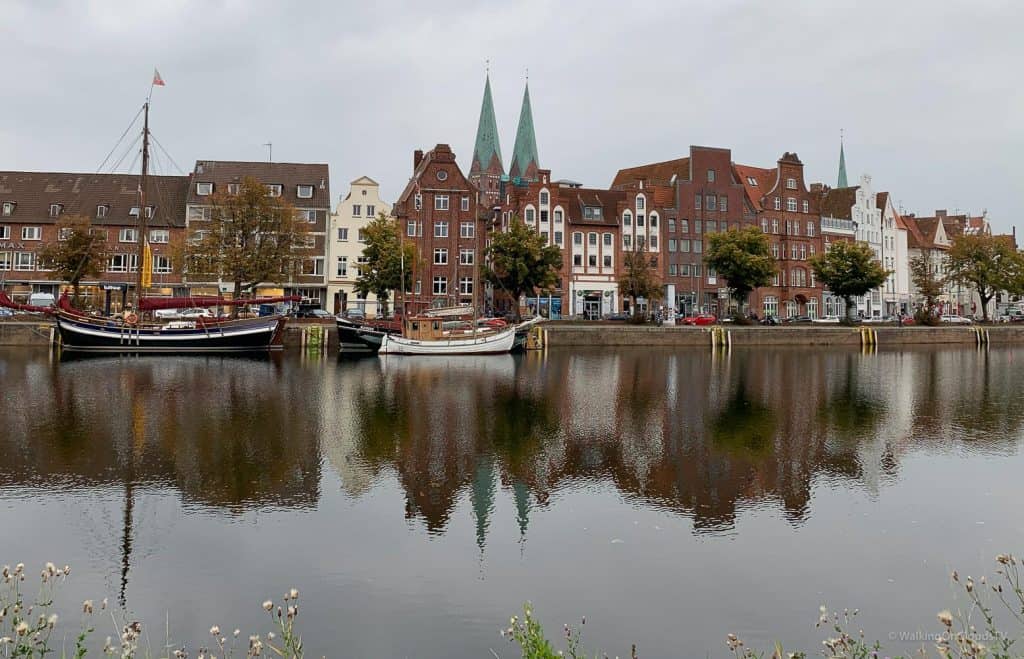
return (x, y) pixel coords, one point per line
(41, 300)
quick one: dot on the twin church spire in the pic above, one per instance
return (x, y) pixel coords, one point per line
(488, 168)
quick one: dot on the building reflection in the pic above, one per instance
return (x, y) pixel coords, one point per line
(691, 432)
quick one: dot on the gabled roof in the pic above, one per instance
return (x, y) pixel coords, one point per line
(658, 173)
(525, 162)
(838, 202)
(607, 200)
(81, 194)
(288, 175)
(757, 182)
(364, 180)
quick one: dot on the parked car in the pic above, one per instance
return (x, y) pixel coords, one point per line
(1011, 315)
(828, 320)
(880, 319)
(619, 315)
(313, 313)
(354, 314)
(5, 312)
(195, 313)
(956, 320)
(769, 320)
(700, 320)
(797, 320)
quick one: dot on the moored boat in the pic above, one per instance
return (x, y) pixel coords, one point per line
(426, 336)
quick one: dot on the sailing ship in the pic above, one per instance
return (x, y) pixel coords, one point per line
(426, 335)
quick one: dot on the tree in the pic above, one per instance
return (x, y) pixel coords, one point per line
(249, 237)
(987, 263)
(519, 261)
(387, 263)
(639, 278)
(741, 257)
(80, 251)
(848, 270)
(928, 285)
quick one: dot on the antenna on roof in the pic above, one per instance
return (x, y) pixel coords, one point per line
(270, 151)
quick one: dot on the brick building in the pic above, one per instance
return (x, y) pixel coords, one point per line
(32, 204)
(304, 186)
(440, 213)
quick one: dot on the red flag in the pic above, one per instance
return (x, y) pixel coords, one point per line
(157, 80)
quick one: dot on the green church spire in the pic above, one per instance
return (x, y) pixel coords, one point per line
(842, 183)
(524, 157)
(487, 152)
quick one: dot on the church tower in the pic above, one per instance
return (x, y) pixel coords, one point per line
(525, 163)
(487, 170)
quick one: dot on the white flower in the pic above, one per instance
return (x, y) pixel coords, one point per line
(22, 628)
(6, 640)
(215, 631)
(294, 593)
(946, 618)
(268, 605)
(237, 632)
(52, 620)
(87, 606)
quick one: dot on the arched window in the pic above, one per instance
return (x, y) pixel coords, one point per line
(627, 219)
(771, 306)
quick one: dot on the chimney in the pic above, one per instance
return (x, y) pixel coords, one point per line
(417, 158)
(940, 212)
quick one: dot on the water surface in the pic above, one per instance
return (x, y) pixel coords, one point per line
(671, 496)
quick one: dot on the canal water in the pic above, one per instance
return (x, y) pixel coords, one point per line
(670, 496)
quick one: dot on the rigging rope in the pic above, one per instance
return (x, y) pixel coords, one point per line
(119, 140)
(157, 142)
(125, 154)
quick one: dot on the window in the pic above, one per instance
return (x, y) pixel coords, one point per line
(530, 216)
(5, 233)
(798, 277)
(577, 260)
(592, 239)
(771, 305)
(775, 250)
(8, 208)
(710, 226)
(160, 236)
(101, 210)
(639, 220)
(672, 270)
(558, 217)
(466, 256)
(711, 202)
(360, 236)
(791, 204)
(304, 192)
(673, 244)
(796, 228)
(5, 260)
(577, 238)
(370, 210)
(812, 308)
(304, 242)
(558, 238)
(698, 246)
(465, 204)
(806, 206)
(343, 233)
(357, 210)
(410, 228)
(234, 188)
(592, 212)
(696, 202)
(441, 202)
(440, 229)
(544, 237)
(467, 230)
(128, 236)
(684, 245)
(723, 203)
(640, 203)
(465, 285)
(314, 266)
(274, 190)
(307, 214)
(803, 252)
(791, 184)
(31, 233)
(751, 181)
(671, 225)
(607, 260)
(592, 260)
(812, 250)
(810, 226)
(684, 226)
(440, 285)
(123, 263)
(627, 219)
(627, 241)
(24, 261)
(440, 256)
(696, 226)
(654, 221)
(764, 225)
(778, 204)
(775, 225)
(204, 189)
(195, 213)
(654, 242)
(341, 267)
(418, 201)
(793, 252)
(544, 198)
(161, 264)
(55, 210)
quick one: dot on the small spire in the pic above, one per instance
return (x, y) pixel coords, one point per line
(525, 162)
(487, 150)
(842, 182)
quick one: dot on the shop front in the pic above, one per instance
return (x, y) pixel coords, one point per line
(593, 303)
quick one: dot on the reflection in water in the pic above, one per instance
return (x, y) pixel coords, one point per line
(473, 447)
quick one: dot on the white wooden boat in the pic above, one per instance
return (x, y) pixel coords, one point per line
(482, 342)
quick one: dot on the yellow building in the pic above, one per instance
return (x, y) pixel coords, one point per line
(345, 245)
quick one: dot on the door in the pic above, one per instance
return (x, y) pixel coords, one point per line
(592, 308)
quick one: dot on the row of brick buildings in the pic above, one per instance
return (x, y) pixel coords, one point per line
(666, 209)
(32, 205)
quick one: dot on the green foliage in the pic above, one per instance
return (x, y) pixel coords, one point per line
(387, 260)
(249, 238)
(81, 252)
(742, 258)
(848, 270)
(518, 261)
(639, 278)
(528, 634)
(987, 263)
(928, 286)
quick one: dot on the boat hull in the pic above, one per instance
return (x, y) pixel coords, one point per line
(361, 339)
(484, 344)
(249, 335)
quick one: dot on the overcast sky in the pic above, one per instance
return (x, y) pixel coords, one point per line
(929, 94)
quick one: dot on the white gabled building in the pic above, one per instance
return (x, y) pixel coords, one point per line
(345, 245)
(895, 258)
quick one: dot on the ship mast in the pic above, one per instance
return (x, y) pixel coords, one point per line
(142, 209)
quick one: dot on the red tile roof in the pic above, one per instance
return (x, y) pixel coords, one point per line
(838, 202)
(659, 173)
(757, 182)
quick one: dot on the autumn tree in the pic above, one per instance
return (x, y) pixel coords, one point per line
(387, 263)
(519, 261)
(247, 238)
(79, 252)
(987, 263)
(848, 270)
(929, 287)
(742, 258)
(639, 277)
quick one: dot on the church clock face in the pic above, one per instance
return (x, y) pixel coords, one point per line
(442, 175)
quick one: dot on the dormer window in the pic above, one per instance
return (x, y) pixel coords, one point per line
(149, 211)
(234, 188)
(274, 190)
(791, 183)
(134, 212)
(592, 212)
(418, 201)
(751, 181)
(305, 192)
(7, 208)
(101, 211)
(203, 189)
(55, 210)
(639, 203)
(711, 176)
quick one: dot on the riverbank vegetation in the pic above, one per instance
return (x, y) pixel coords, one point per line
(988, 623)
